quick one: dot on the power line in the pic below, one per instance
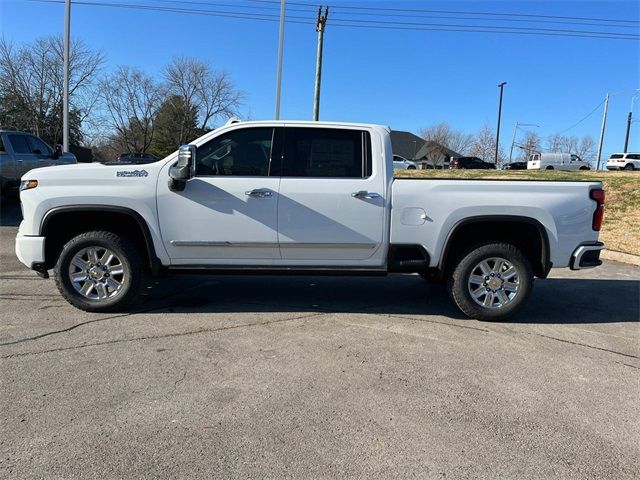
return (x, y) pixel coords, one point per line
(363, 23)
(269, 7)
(458, 12)
(583, 119)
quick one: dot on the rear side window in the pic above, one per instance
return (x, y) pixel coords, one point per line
(19, 143)
(326, 153)
(633, 156)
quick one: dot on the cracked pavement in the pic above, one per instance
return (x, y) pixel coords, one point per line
(318, 377)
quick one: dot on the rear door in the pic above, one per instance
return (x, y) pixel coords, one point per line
(331, 206)
(24, 159)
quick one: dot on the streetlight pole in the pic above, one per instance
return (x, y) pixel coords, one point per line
(321, 22)
(499, 118)
(280, 48)
(65, 80)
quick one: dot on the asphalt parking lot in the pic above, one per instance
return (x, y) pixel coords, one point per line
(315, 377)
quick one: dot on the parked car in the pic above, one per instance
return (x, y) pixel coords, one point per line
(556, 161)
(624, 161)
(403, 164)
(131, 157)
(462, 163)
(21, 152)
(515, 166)
(323, 201)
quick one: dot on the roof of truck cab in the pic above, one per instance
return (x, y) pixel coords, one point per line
(309, 123)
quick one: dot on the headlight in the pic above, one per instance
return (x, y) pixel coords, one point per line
(28, 184)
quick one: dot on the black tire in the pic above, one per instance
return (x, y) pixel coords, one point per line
(585, 168)
(411, 167)
(629, 166)
(458, 284)
(549, 168)
(128, 258)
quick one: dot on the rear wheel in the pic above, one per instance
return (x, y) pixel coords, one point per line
(628, 166)
(584, 168)
(99, 272)
(411, 167)
(491, 282)
(549, 168)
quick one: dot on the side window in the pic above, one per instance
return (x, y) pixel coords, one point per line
(633, 156)
(19, 143)
(2, 150)
(326, 153)
(37, 146)
(243, 152)
(575, 158)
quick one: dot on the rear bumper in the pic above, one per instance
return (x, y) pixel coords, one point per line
(30, 250)
(586, 256)
(614, 167)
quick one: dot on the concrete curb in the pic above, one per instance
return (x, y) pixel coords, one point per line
(620, 257)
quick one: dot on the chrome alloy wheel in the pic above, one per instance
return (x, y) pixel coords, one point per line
(97, 273)
(494, 283)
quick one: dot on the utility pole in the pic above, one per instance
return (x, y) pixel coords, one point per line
(604, 124)
(65, 81)
(280, 47)
(513, 141)
(499, 118)
(321, 22)
(629, 122)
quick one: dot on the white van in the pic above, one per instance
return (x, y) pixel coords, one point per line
(624, 161)
(556, 161)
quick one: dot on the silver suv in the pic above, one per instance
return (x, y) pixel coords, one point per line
(21, 152)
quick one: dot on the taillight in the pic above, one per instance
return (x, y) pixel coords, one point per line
(597, 195)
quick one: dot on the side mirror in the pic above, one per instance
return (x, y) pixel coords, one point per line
(183, 169)
(57, 151)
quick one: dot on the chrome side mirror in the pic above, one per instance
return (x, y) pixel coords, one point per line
(184, 168)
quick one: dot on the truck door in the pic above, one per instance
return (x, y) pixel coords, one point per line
(24, 159)
(332, 197)
(227, 213)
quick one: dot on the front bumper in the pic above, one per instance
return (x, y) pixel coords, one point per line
(586, 256)
(30, 250)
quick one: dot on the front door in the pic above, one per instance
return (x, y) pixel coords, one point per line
(332, 201)
(227, 213)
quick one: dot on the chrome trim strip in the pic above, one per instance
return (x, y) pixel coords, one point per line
(207, 243)
(369, 246)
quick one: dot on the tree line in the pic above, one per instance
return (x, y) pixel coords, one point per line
(126, 110)
(483, 144)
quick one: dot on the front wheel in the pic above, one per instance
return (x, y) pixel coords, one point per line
(99, 272)
(549, 168)
(492, 281)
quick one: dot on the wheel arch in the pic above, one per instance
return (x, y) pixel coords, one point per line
(470, 231)
(120, 219)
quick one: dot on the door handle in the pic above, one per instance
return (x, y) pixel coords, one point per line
(259, 193)
(365, 194)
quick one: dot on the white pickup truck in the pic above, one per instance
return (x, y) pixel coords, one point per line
(300, 198)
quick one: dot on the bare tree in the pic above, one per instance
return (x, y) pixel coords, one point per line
(200, 87)
(584, 147)
(443, 134)
(484, 146)
(131, 99)
(31, 84)
(531, 144)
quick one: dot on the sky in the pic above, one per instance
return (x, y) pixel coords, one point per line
(403, 78)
